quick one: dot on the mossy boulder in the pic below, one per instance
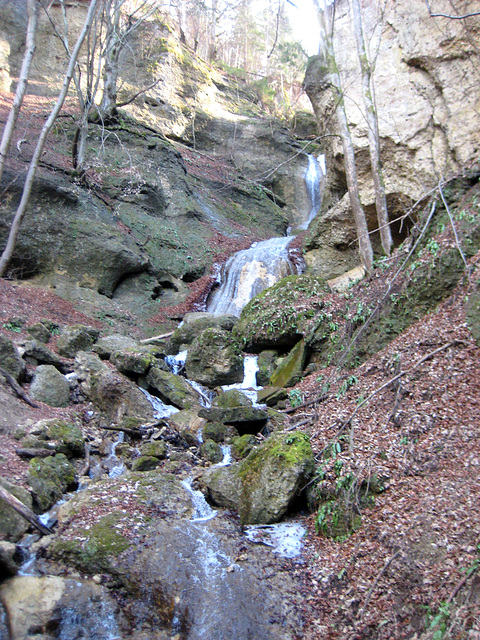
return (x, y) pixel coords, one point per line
(173, 389)
(10, 359)
(38, 353)
(115, 508)
(49, 479)
(193, 324)
(117, 397)
(50, 386)
(156, 448)
(214, 358)
(145, 463)
(136, 362)
(40, 332)
(280, 315)
(264, 485)
(266, 366)
(13, 525)
(230, 399)
(244, 418)
(211, 451)
(57, 435)
(76, 338)
(106, 345)
(243, 445)
(215, 431)
(289, 372)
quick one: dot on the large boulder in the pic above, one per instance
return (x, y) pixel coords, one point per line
(107, 345)
(133, 361)
(290, 370)
(51, 606)
(38, 353)
(76, 338)
(214, 359)
(50, 386)
(49, 479)
(55, 435)
(13, 525)
(264, 485)
(118, 397)
(173, 389)
(10, 359)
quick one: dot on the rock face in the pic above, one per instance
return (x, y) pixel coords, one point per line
(425, 92)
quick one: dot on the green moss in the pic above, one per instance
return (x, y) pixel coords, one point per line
(93, 550)
(243, 445)
(287, 450)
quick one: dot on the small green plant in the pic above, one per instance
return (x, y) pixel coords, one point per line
(296, 397)
(433, 247)
(13, 325)
(438, 623)
(346, 385)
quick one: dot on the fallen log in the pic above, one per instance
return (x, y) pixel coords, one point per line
(23, 510)
(17, 388)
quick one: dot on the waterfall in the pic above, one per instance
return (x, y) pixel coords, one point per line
(313, 181)
(249, 272)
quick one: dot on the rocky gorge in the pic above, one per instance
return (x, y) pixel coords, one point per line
(130, 414)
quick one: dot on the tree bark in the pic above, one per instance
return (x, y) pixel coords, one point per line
(27, 188)
(32, 9)
(373, 133)
(364, 243)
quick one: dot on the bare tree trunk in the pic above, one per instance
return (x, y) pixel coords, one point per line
(27, 188)
(364, 244)
(373, 133)
(22, 83)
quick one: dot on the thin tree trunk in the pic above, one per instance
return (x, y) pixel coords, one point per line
(22, 83)
(364, 244)
(373, 133)
(22, 207)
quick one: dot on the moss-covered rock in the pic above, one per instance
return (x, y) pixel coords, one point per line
(173, 389)
(289, 372)
(38, 353)
(243, 418)
(156, 448)
(279, 316)
(133, 362)
(243, 445)
(215, 431)
(57, 435)
(50, 386)
(211, 451)
(230, 399)
(266, 366)
(49, 479)
(13, 525)
(39, 331)
(214, 358)
(272, 476)
(145, 463)
(76, 338)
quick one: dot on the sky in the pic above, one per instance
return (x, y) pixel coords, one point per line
(303, 18)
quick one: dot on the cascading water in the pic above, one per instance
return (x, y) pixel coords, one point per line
(249, 272)
(313, 180)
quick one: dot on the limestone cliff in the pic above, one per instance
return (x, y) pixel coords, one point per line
(426, 82)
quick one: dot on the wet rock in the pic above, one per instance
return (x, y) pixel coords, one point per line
(9, 561)
(107, 345)
(189, 424)
(289, 372)
(50, 606)
(193, 325)
(214, 359)
(76, 338)
(37, 352)
(173, 389)
(116, 507)
(271, 396)
(211, 451)
(230, 399)
(10, 359)
(49, 479)
(263, 486)
(55, 435)
(12, 525)
(50, 386)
